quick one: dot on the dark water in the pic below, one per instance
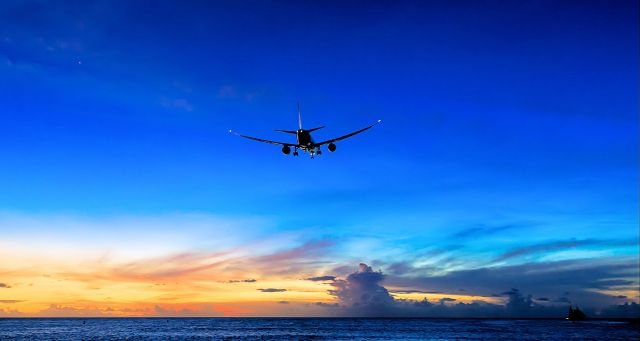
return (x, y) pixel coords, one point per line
(309, 328)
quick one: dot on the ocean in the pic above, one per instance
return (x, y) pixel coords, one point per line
(310, 328)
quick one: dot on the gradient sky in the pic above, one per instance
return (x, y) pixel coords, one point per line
(507, 157)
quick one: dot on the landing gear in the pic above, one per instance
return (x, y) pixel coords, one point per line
(319, 152)
(295, 152)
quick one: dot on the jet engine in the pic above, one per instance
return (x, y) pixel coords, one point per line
(286, 150)
(331, 147)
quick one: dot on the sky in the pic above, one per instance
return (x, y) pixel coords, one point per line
(502, 181)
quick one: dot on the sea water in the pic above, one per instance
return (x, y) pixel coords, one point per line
(311, 328)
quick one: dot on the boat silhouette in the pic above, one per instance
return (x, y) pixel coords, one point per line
(575, 314)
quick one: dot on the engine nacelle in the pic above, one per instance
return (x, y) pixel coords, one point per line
(331, 147)
(286, 150)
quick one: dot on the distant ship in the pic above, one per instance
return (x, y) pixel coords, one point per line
(575, 314)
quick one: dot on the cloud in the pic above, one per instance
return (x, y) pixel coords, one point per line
(283, 302)
(484, 230)
(4, 285)
(202, 310)
(11, 313)
(57, 310)
(272, 290)
(321, 278)
(560, 245)
(400, 268)
(327, 305)
(249, 280)
(11, 301)
(586, 280)
(362, 294)
(176, 103)
(626, 310)
(415, 292)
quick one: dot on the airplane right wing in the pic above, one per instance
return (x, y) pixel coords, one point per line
(263, 140)
(346, 136)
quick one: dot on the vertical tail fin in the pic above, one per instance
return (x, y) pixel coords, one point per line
(299, 117)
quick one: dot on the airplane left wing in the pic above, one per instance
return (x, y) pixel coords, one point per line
(263, 140)
(346, 136)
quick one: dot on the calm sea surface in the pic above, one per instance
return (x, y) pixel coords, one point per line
(310, 328)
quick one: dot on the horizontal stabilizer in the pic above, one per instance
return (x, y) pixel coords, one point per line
(314, 129)
(286, 131)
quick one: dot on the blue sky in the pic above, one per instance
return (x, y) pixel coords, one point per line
(506, 125)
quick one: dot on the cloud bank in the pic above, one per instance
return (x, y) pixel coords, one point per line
(362, 294)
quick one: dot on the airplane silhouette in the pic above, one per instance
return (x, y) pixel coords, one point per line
(304, 139)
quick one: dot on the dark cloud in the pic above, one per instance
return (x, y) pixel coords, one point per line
(327, 305)
(627, 310)
(11, 301)
(4, 285)
(400, 268)
(250, 280)
(415, 292)
(362, 294)
(582, 278)
(321, 278)
(283, 302)
(272, 290)
(562, 300)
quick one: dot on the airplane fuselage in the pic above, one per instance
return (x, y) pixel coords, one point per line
(305, 141)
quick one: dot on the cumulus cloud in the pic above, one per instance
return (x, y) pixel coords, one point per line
(271, 290)
(361, 292)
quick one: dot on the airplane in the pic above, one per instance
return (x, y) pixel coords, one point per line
(304, 140)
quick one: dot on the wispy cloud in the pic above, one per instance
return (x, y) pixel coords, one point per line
(321, 278)
(176, 103)
(488, 230)
(250, 280)
(271, 290)
(561, 245)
